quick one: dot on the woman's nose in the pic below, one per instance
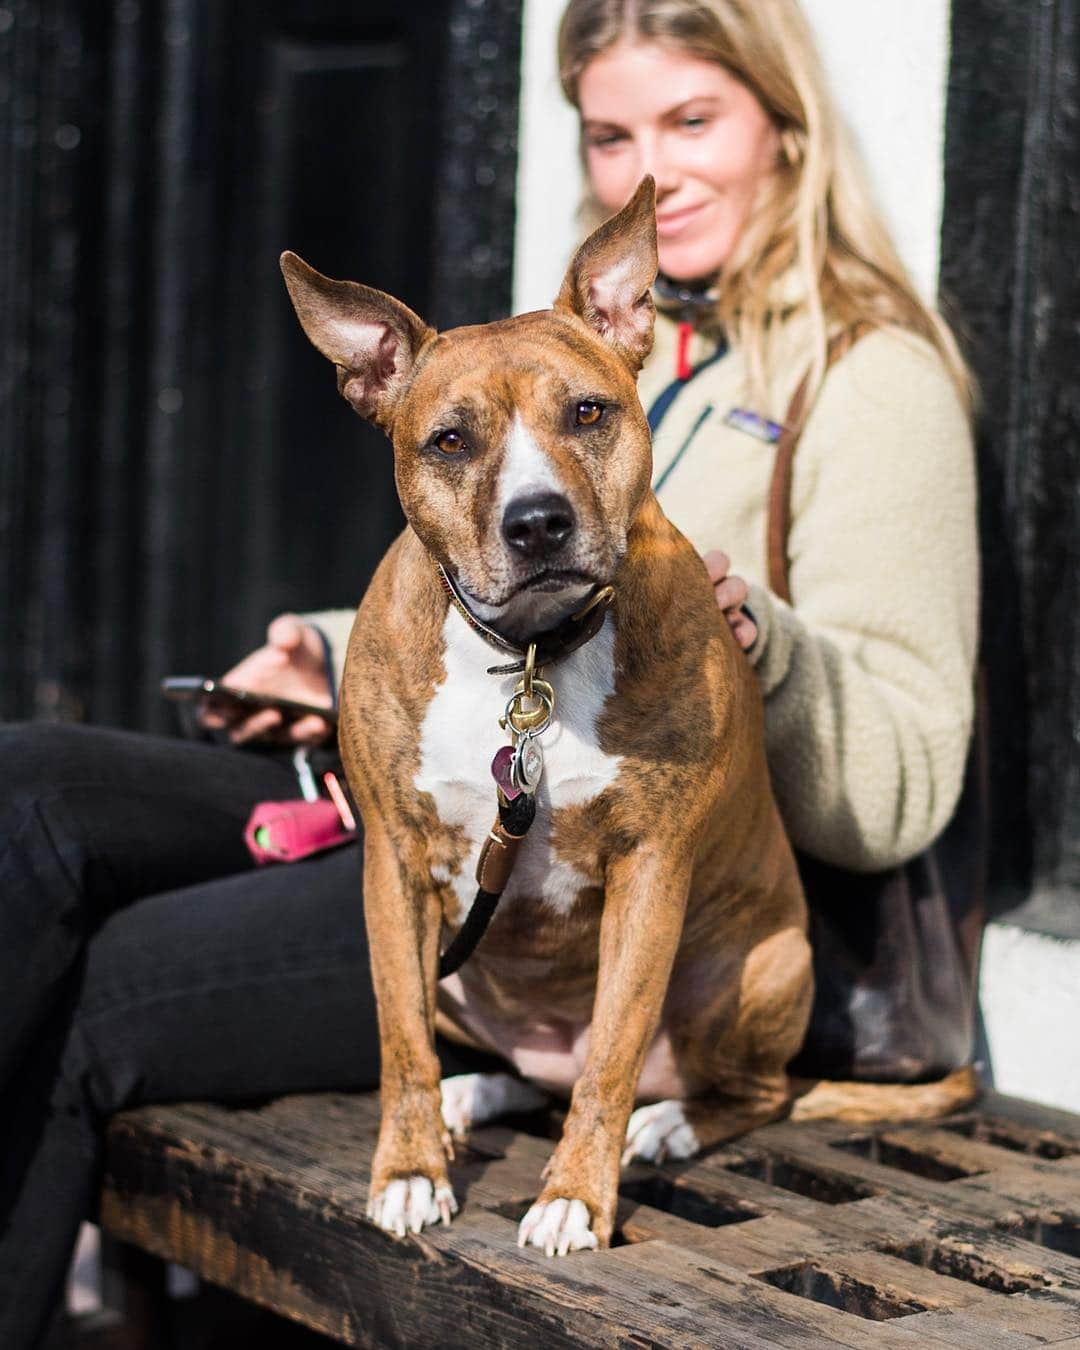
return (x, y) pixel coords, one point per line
(654, 158)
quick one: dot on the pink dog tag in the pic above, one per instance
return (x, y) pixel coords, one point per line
(502, 770)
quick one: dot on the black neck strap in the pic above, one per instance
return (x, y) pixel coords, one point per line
(551, 645)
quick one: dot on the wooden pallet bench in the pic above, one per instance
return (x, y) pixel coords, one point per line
(965, 1232)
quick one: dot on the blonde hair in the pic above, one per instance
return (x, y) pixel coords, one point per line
(814, 215)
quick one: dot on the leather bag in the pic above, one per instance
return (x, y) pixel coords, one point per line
(895, 952)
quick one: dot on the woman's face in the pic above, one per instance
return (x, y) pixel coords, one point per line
(698, 130)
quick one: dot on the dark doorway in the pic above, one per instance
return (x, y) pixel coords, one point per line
(1011, 267)
(175, 466)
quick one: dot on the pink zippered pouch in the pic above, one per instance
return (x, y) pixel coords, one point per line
(287, 831)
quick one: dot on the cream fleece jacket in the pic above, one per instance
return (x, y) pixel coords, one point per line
(868, 677)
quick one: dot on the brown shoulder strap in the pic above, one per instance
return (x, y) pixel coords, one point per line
(779, 511)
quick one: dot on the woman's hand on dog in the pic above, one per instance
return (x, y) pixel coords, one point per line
(731, 592)
(291, 665)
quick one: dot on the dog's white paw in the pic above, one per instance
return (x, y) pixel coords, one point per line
(660, 1131)
(558, 1227)
(472, 1098)
(406, 1206)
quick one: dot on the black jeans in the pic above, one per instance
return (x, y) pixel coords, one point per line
(144, 959)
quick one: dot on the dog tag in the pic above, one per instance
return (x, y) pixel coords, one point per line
(502, 770)
(528, 764)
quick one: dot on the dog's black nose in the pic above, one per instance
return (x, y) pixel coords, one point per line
(538, 526)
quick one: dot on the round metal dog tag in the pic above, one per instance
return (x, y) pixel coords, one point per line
(528, 764)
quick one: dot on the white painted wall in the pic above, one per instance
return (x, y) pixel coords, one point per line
(896, 100)
(888, 64)
(549, 176)
(1030, 997)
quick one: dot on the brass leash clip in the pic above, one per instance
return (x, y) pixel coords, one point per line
(531, 706)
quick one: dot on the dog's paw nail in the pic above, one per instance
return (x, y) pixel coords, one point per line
(445, 1203)
(557, 1227)
(409, 1206)
(388, 1208)
(422, 1207)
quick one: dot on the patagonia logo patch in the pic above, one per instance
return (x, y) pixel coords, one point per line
(754, 425)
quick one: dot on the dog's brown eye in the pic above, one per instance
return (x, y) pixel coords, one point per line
(450, 442)
(588, 413)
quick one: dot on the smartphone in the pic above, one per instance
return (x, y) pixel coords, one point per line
(235, 704)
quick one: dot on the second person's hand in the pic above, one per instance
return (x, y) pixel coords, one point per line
(292, 665)
(731, 592)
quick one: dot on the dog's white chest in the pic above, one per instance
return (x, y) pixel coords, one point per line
(461, 734)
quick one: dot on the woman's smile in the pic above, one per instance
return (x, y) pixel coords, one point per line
(670, 224)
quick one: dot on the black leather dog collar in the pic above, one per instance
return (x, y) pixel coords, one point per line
(551, 645)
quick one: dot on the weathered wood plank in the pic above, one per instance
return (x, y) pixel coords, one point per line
(966, 1332)
(313, 1258)
(954, 1243)
(903, 1282)
(939, 1155)
(762, 1244)
(1043, 1314)
(709, 1183)
(1019, 1136)
(784, 1154)
(1032, 1115)
(795, 1235)
(782, 1319)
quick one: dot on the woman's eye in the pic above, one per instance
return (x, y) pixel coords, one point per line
(605, 140)
(588, 413)
(450, 442)
(694, 123)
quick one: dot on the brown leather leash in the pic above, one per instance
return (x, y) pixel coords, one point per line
(497, 859)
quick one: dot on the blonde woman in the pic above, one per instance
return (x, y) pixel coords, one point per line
(768, 248)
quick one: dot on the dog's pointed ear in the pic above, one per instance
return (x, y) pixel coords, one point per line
(609, 281)
(372, 338)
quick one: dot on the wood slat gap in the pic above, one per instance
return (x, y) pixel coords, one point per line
(846, 1293)
(1017, 1138)
(909, 1154)
(1059, 1232)
(788, 1144)
(827, 1185)
(682, 1199)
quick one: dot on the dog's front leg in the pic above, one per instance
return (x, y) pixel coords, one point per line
(409, 1185)
(644, 907)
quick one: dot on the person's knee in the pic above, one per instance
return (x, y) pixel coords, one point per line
(84, 1081)
(34, 756)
